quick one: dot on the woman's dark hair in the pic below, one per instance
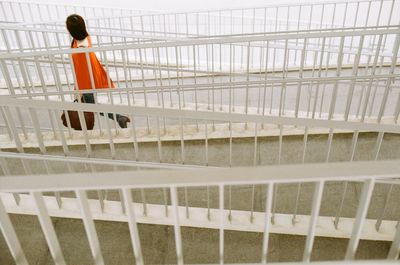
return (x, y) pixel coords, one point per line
(76, 27)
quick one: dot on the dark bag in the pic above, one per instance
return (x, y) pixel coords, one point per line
(74, 119)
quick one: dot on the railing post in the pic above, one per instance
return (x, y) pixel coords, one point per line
(362, 210)
(11, 238)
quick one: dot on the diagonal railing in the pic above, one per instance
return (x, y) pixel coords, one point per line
(221, 181)
(269, 18)
(34, 12)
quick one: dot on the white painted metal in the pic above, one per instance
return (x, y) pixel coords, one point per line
(177, 227)
(94, 161)
(221, 203)
(48, 229)
(268, 18)
(11, 238)
(360, 217)
(267, 220)
(395, 248)
(31, 11)
(149, 67)
(212, 67)
(133, 226)
(90, 227)
(176, 114)
(367, 172)
(319, 188)
(239, 220)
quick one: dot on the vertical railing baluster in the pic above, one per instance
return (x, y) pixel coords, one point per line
(267, 222)
(338, 72)
(384, 208)
(395, 247)
(48, 229)
(299, 87)
(221, 222)
(353, 81)
(10, 236)
(177, 227)
(362, 210)
(133, 229)
(390, 79)
(89, 227)
(317, 198)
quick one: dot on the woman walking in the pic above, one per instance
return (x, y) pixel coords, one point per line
(81, 39)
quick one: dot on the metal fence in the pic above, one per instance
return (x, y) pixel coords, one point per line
(237, 74)
(269, 18)
(31, 12)
(324, 69)
(197, 80)
(299, 17)
(218, 187)
(16, 39)
(186, 125)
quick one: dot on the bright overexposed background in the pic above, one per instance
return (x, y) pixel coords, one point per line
(176, 5)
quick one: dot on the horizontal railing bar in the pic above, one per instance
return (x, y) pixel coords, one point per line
(345, 171)
(97, 161)
(199, 41)
(260, 7)
(117, 62)
(135, 64)
(156, 216)
(338, 29)
(153, 89)
(78, 6)
(17, 27)
(200, 115)
(205, 12)
(219, 85)
(84, 160)
(92, 33)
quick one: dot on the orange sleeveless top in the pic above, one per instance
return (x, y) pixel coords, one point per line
(82, 70)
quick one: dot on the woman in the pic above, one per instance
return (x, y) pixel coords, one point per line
(77, 28)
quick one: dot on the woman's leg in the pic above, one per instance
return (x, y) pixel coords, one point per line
(122, 120)
(88, 98)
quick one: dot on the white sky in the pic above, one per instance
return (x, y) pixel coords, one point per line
(176, 5)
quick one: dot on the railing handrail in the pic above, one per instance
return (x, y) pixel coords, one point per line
(141, 36)
(97, 161)
(154, 12)
(167, 38)
(83, 6)
(279, 5)
(204, 41)
(222, 85)
(200, 115)
(92, 33)
(208, 11)
(259, 7)
(342, 171)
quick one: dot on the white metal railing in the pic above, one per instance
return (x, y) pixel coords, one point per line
(31, 11)
(23, 39)
(271, 180)
(207, 125)
(179, 79)
(212, 89)
(236, 74)
(270, 18)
